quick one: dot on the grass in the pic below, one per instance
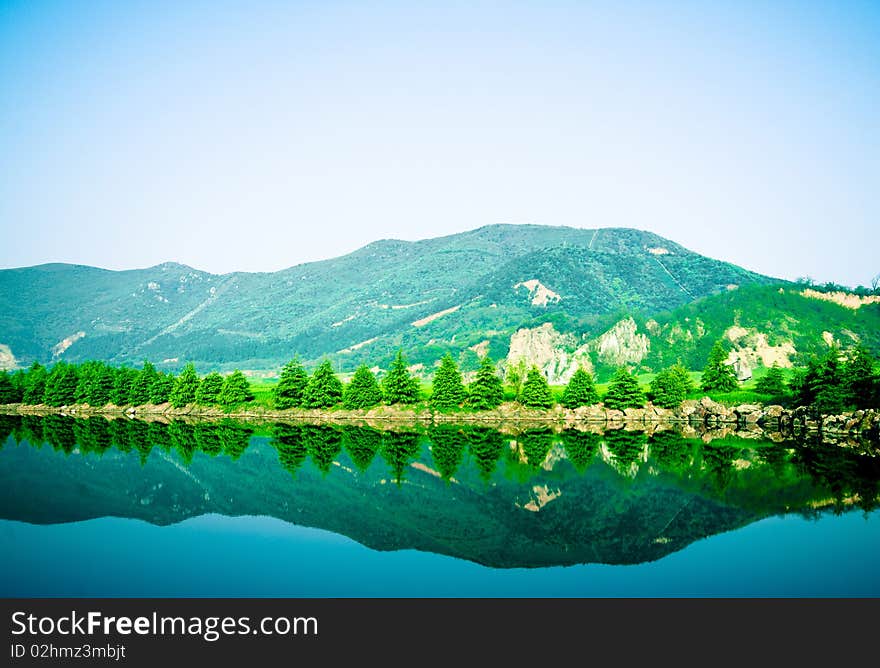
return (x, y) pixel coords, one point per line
(741, 396)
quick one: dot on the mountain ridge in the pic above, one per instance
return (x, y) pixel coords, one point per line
(460, 293)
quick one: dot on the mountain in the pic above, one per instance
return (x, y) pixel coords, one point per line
(556, 296)
(426, 296)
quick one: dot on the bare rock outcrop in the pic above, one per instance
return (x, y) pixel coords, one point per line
(556, 354)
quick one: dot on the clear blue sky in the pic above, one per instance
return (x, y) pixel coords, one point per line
(257, 135)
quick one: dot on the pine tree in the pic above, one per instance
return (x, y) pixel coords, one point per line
(143, 383)
(209, 389)
(61, 385)
(185, 387)
(52, 380)
(798, 386)
(101, 386)
(668, 389)
(398, 386)
(772, 382)
(324, 389)
(826, 383)
(125, 377)
(684, 377)
(718, 375)
(485, 391)
(35, 384)
(536, 391)
(236, 390)
(85, 378)
(162, 387)
(7, 390)
(19, 382)
(363, 391)
(288, 393)
(860, 379)
(447, 391)
(580, 391)
(624, 391)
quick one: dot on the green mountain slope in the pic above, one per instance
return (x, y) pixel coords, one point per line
(429, 296)
(761, 324)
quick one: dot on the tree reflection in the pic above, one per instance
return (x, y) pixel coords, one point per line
(287, 439)
(535, 444)
(807, 476)
(58, 432)
(32, 430)
(775, 456)
(234, 438)
(139, 434)
(399, 450)
(485, 446)
(580, 447)
(207, 436)
(627, 447)
(8, 425)
(93, 435)
(361, 444)
(158, 434)
(119, 437)
(324, 445)
(183, 440)
(718, 463)
(671, 451)
(848, 477)
(447, 449)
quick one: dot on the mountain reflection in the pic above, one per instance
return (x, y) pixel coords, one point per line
(532, 498)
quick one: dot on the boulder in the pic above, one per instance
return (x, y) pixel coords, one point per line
(747, 413)
(634, 414)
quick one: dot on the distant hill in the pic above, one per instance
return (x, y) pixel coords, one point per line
(549, 294)
(174, 312)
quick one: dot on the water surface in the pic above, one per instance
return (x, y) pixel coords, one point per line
(128, 508)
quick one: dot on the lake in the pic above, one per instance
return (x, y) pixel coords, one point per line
(96, 507)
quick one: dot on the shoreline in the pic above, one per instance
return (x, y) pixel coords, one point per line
(700, 413)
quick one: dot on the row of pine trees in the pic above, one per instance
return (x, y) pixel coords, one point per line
(831, 383)
(99, 384)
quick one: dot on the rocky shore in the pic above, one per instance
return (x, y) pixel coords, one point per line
(703, 414)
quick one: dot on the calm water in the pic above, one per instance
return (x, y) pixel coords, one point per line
(127, 508)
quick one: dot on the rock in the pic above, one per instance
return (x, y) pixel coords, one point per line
(557, 355)
(659, 413)
(590, 413)
(747, 413)
(685, 410)
(742, 369)
(714, 412)
(622, 344)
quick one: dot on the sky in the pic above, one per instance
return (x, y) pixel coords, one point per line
(254, 136)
